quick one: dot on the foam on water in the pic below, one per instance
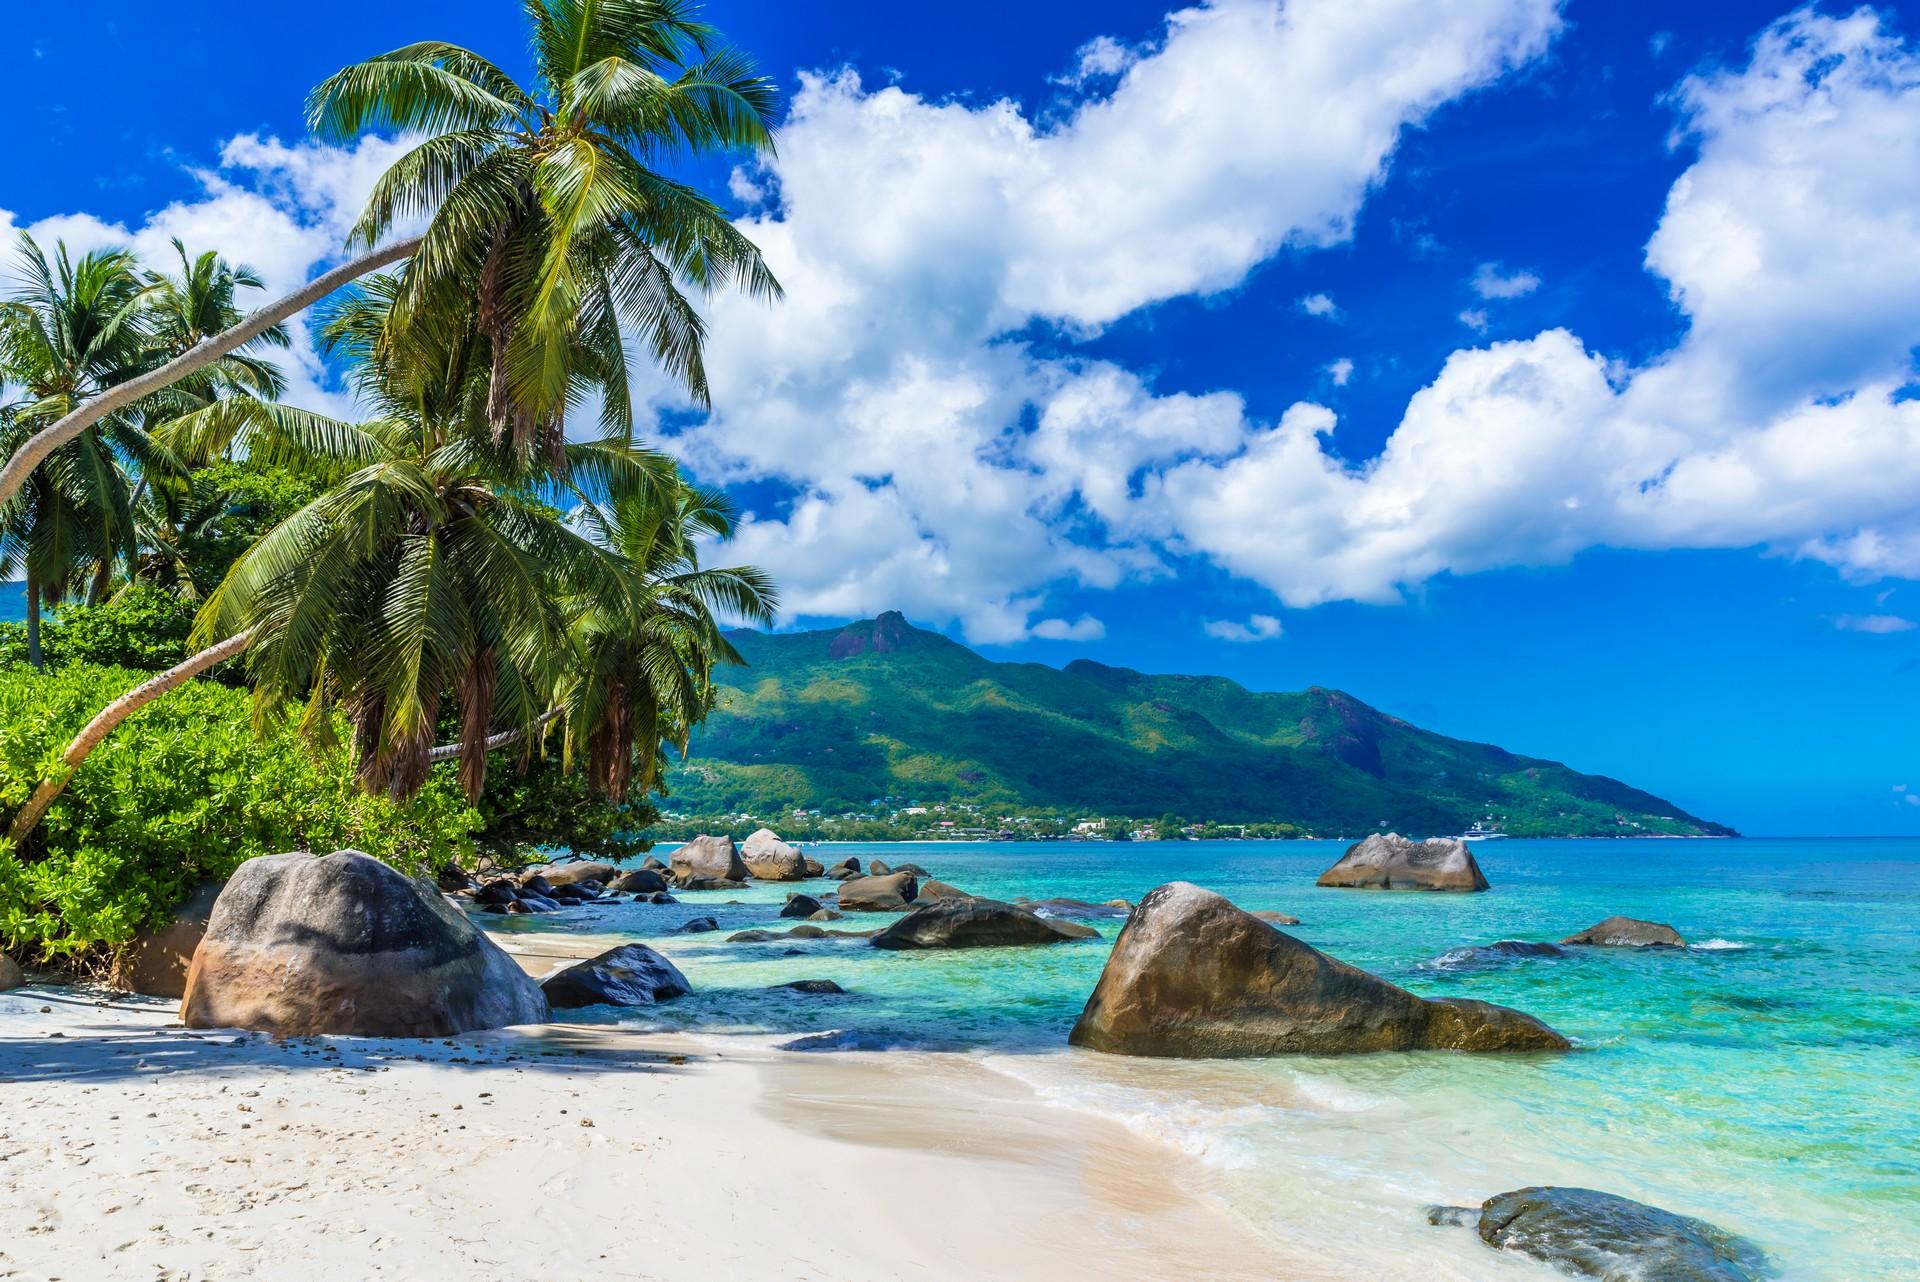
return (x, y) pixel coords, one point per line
(1717, 946)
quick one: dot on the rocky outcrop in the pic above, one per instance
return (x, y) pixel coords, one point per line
(800, 906)
(1388, 861)
(891, 893)
(934, 892)
(707, 861)
(770, 859)
(639, 881)
(577, 871)
(1591, 1234)
(630, 975)
(846, 868)
(885, 634)
(156, 962)
(11, 976)
(301, 945)
(970, 923)
(1193, 976)
(1628, 932)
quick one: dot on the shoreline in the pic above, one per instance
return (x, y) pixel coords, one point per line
(137, 1149)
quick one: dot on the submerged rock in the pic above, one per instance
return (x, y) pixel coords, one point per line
(1080, 908)
(156, 962)
(934, 892)
(813, 987)
(707, 860)
(700, 925)
(825, 914)
(1193, 976)
(771, 859)
(639, 881)
(1628, 932)
(1498, 953)
(1615, 1239)
(630, 975)
(301, 945)
(800, 906)
(1388, 861)
(971, 923)
(887, 893)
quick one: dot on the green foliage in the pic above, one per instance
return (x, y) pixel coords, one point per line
(546, 807)
(879, 715)
(141, 627)
(181, 793)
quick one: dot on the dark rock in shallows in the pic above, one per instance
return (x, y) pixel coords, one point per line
(450, 877)
(813, 867)
(699, 925)
(970, 923)
(804, 931)
(498, 891)
(661, 897)
(892, 893)
(1499, 953)
(754, 937)
(770, 859)
(497, 908)
(1193, 976)
(817, 987)
(533, 883)
(1628, 932)
(156, 962)
(1388, 861)
(800, 906)
(639, 881)
(539, 904)
(709, 860)
(848, 867)
(1078, 908)
(630, 975)
(516, 907)
(302, 945)
(1600, 1235)
(11, 976)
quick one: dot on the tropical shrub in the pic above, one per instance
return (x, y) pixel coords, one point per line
(182, 793)
(545, 807)
(141, 627)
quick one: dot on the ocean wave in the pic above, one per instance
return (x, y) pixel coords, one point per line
(1202, 1130)
(1719, 946)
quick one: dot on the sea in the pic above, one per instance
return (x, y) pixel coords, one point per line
(1765, 1078)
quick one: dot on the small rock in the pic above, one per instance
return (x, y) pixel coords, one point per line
(819, 987)
(699, 925)
(1627, 932)
(800, 906)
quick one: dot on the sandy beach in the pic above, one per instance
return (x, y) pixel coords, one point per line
(133, 1148)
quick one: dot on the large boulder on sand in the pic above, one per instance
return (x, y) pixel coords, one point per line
(970, 923)
(156, 962)
(1193, 976)
(11, 976)
(707, 861)
(892, 893)
(630, 975)
(771, 859)
(1601, 1235)
(1388, 861)
(1628, 932)
(301, 945)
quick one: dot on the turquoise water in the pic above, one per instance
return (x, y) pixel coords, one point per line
(1767, 1078)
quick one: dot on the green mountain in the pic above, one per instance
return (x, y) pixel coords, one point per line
(871, 716)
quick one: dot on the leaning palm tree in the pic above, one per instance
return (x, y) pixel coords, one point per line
(548, 204)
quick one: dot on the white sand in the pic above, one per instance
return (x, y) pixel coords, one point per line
(132, 1148)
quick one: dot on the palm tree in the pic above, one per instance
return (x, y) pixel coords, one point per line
(547, 204)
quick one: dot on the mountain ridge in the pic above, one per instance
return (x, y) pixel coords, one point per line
(880, 713)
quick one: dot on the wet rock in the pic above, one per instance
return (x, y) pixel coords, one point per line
(539, 904)
(800, 906)
(804, 931)
(770, 859)
(699, 926)
(660, 897)
(813, 867)
(156, 962)
(1628, 932)
(708, 860)
(495, 908)
(1077, 908)
(848, 867)
(302, 945)
(630, 975)
(1498, 953)
(1388, 861)
(533, 883)
(754, 937)
(812, 987)
(971, 923)
(516, 907)
(891, 892)
(825, 914)
(498, 891)
(1600, 1235)
(639, 881)
(1193, 976)
(708, 883)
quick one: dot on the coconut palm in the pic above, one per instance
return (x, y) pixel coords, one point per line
(547, 203)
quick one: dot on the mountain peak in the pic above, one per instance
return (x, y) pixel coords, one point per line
(882, 635)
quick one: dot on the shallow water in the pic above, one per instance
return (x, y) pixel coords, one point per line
(1767, 1078)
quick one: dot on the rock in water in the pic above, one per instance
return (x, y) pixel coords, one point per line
(156, 962)
(572, 874)
(812, 987)
(1193, 976)
(1628, 932)
(700, 926)
(1388, 861)
(630, 975)
(11, 976)
(1277, 918)
(302, 945)
(933, 892)
(800, 906)
(892, 893)
(878, 868)
(1075, 908)
(1501, 952)
(969, 923)
(640, 881)
(1615, 1239)
(846, 868)
(707, 859)
(771, 859)
(813, 867)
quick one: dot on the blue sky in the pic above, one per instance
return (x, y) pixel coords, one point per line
(1537, 372)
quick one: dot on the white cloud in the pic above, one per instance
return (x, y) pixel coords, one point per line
(1319, 305)
(1085, 628)
(1258, 627)
(1878, 624)
(942, 467)
(1475, 319)
(1341, 372)
(1491, 281)
(1101, 58)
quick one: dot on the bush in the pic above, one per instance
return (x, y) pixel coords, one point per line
(546, 807)
(140, 627)
(181, 793)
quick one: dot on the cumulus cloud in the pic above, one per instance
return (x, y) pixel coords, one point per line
(1491, 281)
(1258, 627)
(1341, 372)
(1877, 624)
(1475, 318)
(1084, 628)
(1100, 58)
(937, 463)
(1319, 305)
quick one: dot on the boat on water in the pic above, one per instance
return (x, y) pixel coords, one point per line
(1482, 832)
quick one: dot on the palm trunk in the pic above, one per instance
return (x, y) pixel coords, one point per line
(44, 442)
(448, 751)
(33, 623)
(110, 716)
